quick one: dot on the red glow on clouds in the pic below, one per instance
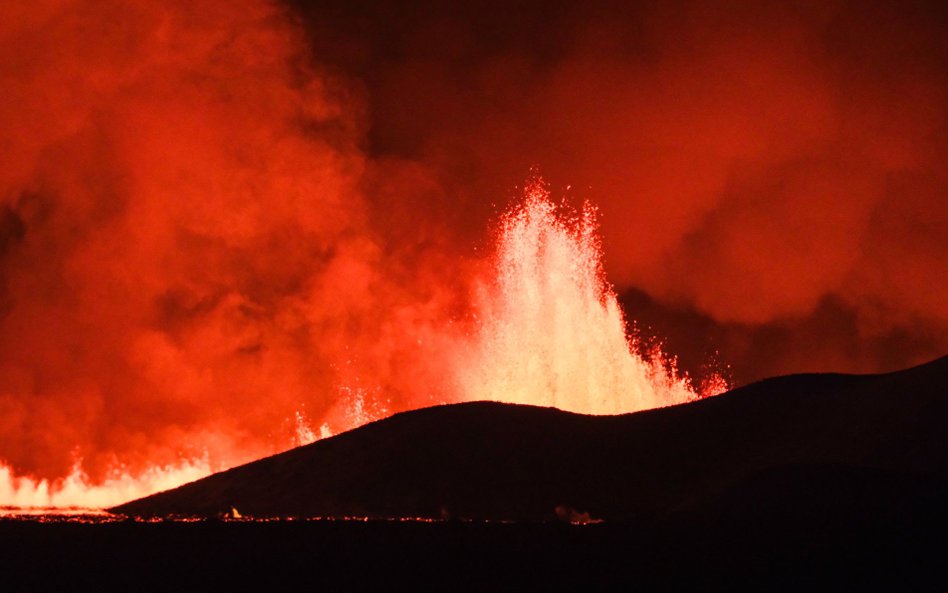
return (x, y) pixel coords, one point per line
(225, 231)
(186, 256)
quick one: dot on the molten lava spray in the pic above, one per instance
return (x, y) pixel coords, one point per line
(550, 331)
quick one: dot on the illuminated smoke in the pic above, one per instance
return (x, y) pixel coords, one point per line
(550, 331)
(184, 248)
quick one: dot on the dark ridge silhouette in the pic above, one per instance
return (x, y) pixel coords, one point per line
(841, 447)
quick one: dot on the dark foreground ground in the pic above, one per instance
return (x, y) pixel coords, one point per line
(781, 553)
(791, 484)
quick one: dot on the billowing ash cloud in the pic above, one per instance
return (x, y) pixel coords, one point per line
(216, 216)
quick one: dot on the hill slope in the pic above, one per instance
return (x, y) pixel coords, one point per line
(834, 443)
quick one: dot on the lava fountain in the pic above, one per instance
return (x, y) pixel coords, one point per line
(550, 331)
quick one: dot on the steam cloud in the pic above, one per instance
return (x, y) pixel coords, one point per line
(215, 217)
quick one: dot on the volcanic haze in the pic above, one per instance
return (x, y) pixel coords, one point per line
(226, 228)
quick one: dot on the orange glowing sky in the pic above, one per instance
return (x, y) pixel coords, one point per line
(223, 225)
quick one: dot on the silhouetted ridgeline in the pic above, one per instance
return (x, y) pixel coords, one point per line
(834, 446)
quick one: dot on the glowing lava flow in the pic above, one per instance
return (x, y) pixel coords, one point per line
(551, 332)
(75, 491)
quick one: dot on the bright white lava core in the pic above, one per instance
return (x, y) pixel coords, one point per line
(551, 332)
